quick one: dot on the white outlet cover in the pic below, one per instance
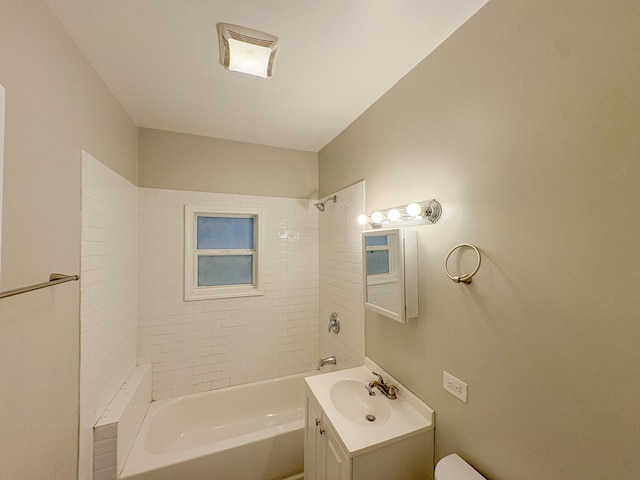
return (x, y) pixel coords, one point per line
(454, 386)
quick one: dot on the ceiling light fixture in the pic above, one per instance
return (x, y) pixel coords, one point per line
(246, 50)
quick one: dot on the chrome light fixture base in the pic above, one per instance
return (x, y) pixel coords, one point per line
(433, 211)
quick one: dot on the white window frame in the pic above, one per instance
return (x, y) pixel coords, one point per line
(191, 289)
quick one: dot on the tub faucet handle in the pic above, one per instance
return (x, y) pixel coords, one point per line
(334, 323)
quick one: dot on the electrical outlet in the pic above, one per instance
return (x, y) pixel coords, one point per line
(454, 386)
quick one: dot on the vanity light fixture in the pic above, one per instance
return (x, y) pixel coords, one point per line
(420, 213)
(246, 50)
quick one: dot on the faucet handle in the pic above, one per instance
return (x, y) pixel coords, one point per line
(334, 323)
(380, 380)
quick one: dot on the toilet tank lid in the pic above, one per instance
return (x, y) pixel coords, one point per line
(453, 467)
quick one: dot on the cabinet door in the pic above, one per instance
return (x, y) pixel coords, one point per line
(324, 457)
(337, 464)
(314, 444)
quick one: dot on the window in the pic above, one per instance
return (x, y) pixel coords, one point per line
(221, 253)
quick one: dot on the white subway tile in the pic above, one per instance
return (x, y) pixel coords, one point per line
(234, 335)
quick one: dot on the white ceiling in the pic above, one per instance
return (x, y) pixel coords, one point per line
(335, 59)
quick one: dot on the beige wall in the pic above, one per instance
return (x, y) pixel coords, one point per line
(179, 161)
(55, 105)
(524, 125)
(1, 157)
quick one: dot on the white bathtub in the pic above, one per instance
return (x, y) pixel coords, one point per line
(247, 432)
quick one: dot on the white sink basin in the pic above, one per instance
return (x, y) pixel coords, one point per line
(351, 399)
(346, 403)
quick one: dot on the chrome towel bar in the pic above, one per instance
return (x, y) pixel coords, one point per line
(54, 279)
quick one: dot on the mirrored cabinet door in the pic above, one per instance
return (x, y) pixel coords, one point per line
(390, 272)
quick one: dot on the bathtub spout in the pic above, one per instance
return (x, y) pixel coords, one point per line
(328, 361)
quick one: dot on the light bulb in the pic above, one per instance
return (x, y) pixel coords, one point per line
(414, 210)
(377, 217)
(393, 215)
(362, 219)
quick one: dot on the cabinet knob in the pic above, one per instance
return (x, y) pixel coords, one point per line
(321, 431)
(317, 422)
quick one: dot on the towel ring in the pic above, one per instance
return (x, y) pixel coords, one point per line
(466, 279)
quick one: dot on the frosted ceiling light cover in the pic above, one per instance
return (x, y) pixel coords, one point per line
(246, 50)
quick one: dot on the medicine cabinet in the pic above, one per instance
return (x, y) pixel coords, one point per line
(391, 272)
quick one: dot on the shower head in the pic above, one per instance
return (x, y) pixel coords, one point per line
(320, 205)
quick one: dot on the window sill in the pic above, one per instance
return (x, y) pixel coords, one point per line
(212, 293)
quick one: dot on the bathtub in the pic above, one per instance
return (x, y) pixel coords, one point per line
(246, 432)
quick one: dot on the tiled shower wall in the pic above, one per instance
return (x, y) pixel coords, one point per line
(132, 272)
(108, 306)
(341, 288)
(206, 344)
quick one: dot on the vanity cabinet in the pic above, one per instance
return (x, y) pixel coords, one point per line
(326, 458)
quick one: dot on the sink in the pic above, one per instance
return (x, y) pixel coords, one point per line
(346, 402)
(352, 400)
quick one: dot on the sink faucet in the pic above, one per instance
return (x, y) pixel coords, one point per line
(388, 391)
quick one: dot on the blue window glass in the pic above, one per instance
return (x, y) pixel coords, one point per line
(377, 262)
(225, 270)
(218, 233)
(375, 241)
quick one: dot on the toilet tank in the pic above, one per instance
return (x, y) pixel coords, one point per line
(452, 467)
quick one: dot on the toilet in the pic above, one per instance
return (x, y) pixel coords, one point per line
(452, 467)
